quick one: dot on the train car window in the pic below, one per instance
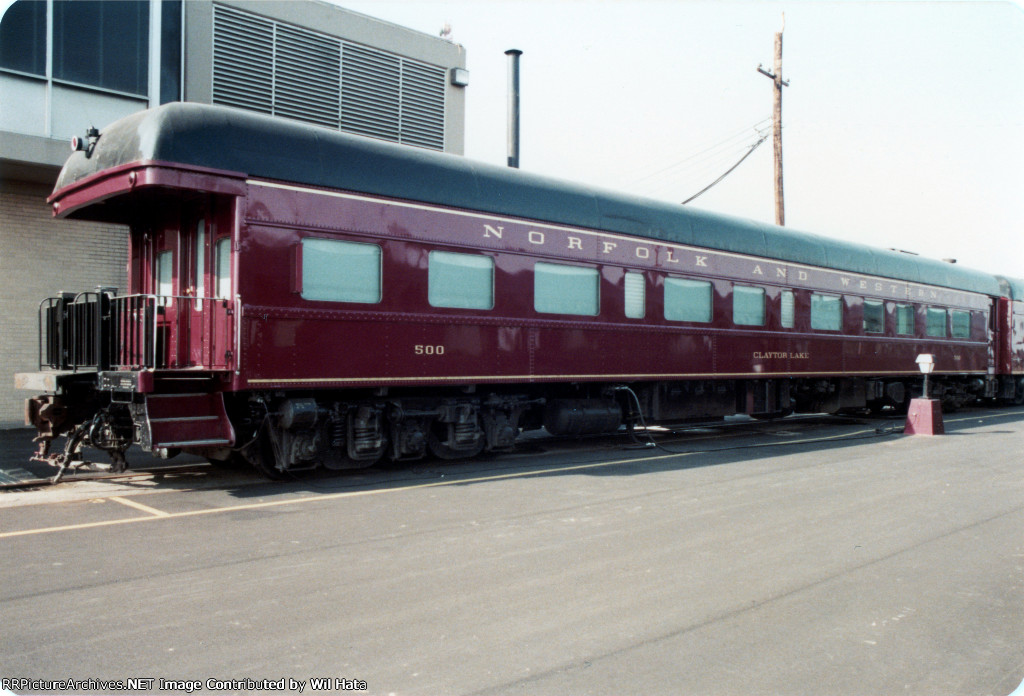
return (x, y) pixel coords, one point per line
(874, 316)
(826, 312)
(222, 268)
(165, 275)
(787, 309)
(200, 263)
(464, 281)
(559, 289)
(338, 271)
(935, 322)
(905, 320)
(687, 300)
(636, 296)
(747, 306)
(961, 323)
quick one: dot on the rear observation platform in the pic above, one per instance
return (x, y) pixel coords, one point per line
(117, 370)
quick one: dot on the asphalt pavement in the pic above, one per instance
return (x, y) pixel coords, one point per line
(819, 558)
(17, 448)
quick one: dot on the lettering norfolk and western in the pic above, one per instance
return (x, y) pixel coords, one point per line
(683, 257)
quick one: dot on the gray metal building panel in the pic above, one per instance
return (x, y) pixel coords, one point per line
(276, 68)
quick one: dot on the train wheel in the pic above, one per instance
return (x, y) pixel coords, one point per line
(118, 462)
(903, 407)
(235, 460)
(261, 454)
(1018, 394)
(443, 451)
(265, 466)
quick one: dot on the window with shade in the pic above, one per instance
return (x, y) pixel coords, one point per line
(688, 300)
(464, 281)
(748, 306)
(339, 271)
(222, 268)
(826, 312)
(559, 289)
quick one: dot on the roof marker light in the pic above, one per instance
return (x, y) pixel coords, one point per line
(86, 144)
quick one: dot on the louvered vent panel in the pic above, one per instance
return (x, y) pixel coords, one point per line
(370, 92)
(423, 105)
(296, 73)
(307, 76)
(243, 60)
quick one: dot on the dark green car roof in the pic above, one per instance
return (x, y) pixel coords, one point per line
(1012, 287)
(265, 147)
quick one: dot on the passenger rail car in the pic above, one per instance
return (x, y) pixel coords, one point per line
(300, 297)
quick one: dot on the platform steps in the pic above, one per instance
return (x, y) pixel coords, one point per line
(188, 420)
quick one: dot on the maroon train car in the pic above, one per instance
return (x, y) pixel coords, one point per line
(1009, 333)
(300, 297)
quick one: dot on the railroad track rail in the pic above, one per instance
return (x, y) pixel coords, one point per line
(86, 475)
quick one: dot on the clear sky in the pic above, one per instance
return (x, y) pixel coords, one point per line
(903, 121)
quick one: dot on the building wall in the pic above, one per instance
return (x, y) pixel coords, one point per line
(329, 20)
(39, 257)
(40, 109)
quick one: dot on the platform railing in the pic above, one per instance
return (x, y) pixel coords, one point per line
(102, 331)
(133, 341)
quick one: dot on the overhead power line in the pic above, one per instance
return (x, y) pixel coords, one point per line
(697, 174)
(727, 142)
(728, 171)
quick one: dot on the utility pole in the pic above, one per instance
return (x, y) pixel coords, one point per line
(776, 76)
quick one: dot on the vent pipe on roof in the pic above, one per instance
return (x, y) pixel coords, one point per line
(513, 106)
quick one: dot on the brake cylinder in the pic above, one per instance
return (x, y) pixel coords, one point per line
(298, 413)
(582, 416)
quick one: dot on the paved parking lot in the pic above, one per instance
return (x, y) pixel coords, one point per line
(815, 559)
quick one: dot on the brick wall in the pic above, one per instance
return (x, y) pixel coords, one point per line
(39, 257)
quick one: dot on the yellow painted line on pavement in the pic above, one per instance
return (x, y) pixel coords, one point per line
(982, 417)
(139, 506)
